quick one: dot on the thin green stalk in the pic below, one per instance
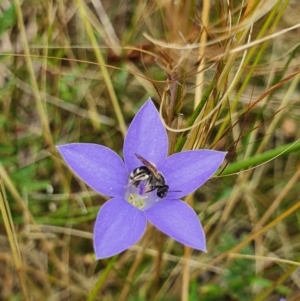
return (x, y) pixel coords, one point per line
(11, 235)
(102, 65)
(34, 85)
(182, 138)
(261, 158)
(92, 296)
(272, 19)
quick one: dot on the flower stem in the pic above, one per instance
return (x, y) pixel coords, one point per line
(92, 296)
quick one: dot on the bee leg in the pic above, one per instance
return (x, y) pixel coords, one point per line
(142, 188)
(149, 188)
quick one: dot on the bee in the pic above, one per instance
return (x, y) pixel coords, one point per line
(149, 173)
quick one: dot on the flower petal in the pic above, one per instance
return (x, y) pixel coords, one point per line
(178, 220)
(118, 226)
(186, 171)
(146, 136)
(98, 166)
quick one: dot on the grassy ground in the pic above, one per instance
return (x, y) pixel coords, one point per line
(226, 76)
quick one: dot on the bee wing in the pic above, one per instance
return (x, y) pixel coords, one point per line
(148, 164)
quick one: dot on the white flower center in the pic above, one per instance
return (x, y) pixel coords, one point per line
(136, 197)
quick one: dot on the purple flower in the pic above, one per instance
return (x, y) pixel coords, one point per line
(148, 185)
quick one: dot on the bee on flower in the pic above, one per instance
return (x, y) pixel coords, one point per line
(146, 186)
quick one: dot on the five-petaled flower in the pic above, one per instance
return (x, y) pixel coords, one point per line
(134, 195)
